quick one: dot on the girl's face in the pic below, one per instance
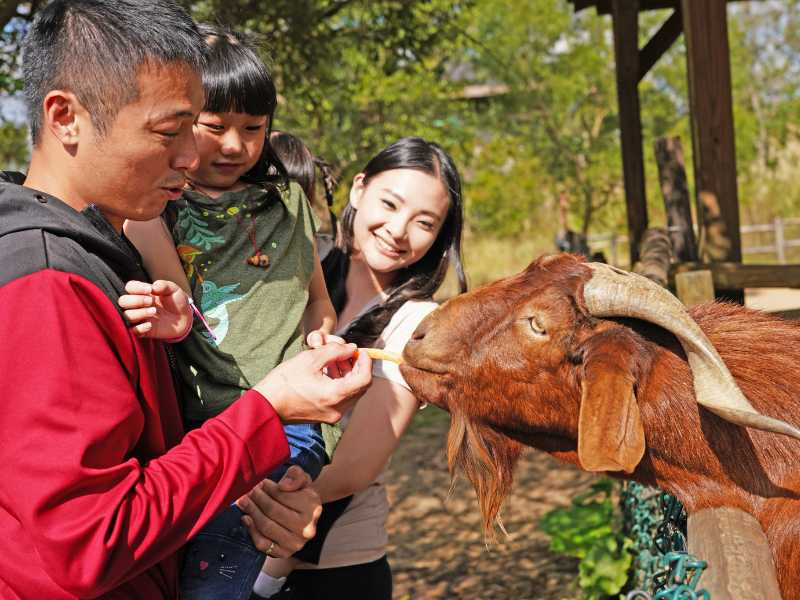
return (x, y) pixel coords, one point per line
(229, 144)
(399, 214)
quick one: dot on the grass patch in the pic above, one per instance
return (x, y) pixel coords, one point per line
(430, 416)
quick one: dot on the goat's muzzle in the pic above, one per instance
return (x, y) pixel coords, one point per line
(427, 361)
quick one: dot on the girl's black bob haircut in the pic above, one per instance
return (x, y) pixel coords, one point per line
(235, 79)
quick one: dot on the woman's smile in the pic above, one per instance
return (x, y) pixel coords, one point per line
(387, 248)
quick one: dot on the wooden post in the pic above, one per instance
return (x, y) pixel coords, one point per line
(613, 251)
(739, 559)
(780, 240)
(625, 19)
(672, 174)
(708, 65)
(694, 287)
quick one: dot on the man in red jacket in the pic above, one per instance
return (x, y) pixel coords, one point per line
(100, 488)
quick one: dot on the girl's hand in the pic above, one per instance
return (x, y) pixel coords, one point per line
(318, 338)
(160, 310)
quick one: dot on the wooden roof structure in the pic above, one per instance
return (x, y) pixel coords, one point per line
(704, 24)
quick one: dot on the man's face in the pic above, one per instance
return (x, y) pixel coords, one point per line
(133, 170)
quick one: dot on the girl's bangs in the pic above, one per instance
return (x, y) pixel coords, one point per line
(241, 89)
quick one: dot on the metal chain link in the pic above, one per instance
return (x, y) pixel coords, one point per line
(663, 569)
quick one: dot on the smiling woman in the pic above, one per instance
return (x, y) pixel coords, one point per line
(399, 234)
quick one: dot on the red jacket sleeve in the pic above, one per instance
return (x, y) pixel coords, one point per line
(90, 459)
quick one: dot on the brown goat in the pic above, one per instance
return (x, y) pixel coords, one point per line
(525, 361)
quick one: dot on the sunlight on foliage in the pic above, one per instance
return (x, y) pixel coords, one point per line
(590, 530)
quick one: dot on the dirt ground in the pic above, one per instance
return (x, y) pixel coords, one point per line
(437, 546)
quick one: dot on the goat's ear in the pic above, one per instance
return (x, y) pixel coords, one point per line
(610, 431)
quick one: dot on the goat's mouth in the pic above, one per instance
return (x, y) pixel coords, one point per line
(426, 384)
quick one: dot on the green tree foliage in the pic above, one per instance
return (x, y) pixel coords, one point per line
(590, 529)
(356, 74)
(765, 49)
(560, 104)
(521, 92)
(13, 147)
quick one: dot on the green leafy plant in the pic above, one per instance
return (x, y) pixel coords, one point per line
(590, 530)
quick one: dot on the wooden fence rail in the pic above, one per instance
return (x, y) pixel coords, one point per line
(615, 245)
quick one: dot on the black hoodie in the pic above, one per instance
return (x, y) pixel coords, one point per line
(39, 231)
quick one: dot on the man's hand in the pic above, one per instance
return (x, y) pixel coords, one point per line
(317, 385)
(159, 310)
(282, 517)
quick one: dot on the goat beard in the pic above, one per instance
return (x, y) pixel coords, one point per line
(487, 458)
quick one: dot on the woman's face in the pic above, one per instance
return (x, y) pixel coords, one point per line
(399, 214)
(229, 145)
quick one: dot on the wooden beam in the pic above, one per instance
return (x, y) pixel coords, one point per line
(603, 7)
(625, 19)
(739, 559)
(711, 111)
(661, 41)
(736, 276)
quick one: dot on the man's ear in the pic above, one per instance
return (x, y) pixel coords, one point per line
(610, 431)
(357, 190)
(62, 116)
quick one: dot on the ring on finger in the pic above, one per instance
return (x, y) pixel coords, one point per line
(269, 550)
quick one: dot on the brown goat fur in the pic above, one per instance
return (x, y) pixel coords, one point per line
(510, 362)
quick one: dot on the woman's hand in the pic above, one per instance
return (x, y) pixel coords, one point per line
(160, 310)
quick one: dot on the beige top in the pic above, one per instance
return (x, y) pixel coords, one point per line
(359, 536)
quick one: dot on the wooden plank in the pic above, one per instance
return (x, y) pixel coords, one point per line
(625, 19)
(711, 111)
(672, 174)
(739, 559)
(694, 287)
(661, 41)
(735, 276)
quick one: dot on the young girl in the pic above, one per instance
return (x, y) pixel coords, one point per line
(246, 242)
(399, 233)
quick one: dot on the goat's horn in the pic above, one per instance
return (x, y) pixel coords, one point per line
(612, 292)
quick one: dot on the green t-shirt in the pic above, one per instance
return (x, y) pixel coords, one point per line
(249, 257)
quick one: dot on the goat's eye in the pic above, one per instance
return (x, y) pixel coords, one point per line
(536, 326)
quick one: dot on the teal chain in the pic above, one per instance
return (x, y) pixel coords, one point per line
(663, 569)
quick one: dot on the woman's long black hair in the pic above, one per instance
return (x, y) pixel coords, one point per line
(235, 79)
(421, 279)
